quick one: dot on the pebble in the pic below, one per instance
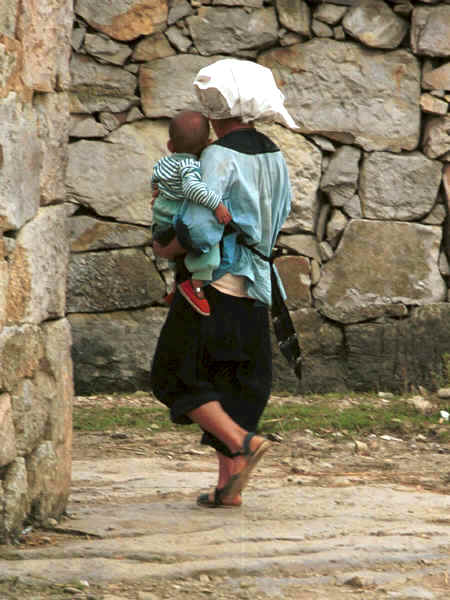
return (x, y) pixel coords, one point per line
(420, 404)
(444, 393)
(390, 438)
(356, 582)
(361, 447)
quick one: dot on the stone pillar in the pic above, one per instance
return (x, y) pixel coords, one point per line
(36, 383)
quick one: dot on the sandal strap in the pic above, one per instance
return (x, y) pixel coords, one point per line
(245, 450)
(218, 496)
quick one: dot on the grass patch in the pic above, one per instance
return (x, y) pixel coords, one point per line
(324, 415)
(120, 417)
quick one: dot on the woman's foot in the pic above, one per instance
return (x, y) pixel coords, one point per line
(216, 499)
(245, 461)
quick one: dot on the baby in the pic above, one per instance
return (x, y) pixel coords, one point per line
(177, 178)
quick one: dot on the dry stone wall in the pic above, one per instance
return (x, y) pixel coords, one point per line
(366, 247)
(36, 382)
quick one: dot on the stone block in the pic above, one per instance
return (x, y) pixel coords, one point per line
(295, 273)
(21, 350)
(349, 93)
(38, 268)
(87, 233)
(103, 364)
(105, 281)
(398, 187)
(166, 84)
(305, 245)
(49, 478)
(340, 179)
(430, 30)
(103, 188)
(436, 136)
(8, 17)
(7, 434)
(437, 79)
(398, 354)
(94, 79)
(152, 47)
(379, 264)
(304, 161)
(323, 352)
(53, 130)
(20, 164)
(375, 24)
(45, 31)
(124, 21)
(11, 69)
(245, 30)
(16, 502)
(295, 15)
(58, 366)
(31, 400)
(106, 50)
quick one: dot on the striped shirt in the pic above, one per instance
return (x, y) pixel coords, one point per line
(178, 178)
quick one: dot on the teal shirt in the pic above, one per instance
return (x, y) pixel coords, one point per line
(249, 172)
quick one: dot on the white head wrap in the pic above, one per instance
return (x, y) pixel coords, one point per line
(240, 88)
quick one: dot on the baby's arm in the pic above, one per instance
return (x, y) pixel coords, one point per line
(195, 190)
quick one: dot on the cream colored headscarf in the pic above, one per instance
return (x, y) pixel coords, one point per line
(240, 88)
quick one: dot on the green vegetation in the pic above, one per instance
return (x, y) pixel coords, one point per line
(121, 417)
(324, 415)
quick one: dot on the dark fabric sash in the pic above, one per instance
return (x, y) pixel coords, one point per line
(281, 319)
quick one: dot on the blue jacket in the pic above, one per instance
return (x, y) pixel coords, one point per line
(249, 172)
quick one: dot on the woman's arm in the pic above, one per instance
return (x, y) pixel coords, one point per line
(173, 249)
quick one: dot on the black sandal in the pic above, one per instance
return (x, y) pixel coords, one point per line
(205, 501)
(238, 481)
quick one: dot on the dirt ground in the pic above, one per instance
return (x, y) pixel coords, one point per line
(307, 459)
(415, 460)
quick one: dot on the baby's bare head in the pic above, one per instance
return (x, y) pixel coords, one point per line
(189, 132)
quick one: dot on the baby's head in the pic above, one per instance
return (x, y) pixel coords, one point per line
(188, 132)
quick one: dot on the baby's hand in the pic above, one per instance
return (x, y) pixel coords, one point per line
(222, 214)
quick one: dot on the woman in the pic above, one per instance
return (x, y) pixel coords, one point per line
(217, 372)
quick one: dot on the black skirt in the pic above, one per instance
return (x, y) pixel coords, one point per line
(225, 357)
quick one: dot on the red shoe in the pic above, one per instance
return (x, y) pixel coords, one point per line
(168, 299)
(201, 305)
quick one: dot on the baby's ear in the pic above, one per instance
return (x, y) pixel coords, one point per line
(170, 146)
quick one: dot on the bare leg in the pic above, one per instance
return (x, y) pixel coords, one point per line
(226, 470)
(214, 419)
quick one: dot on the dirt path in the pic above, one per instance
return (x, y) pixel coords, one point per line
(324, 519)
